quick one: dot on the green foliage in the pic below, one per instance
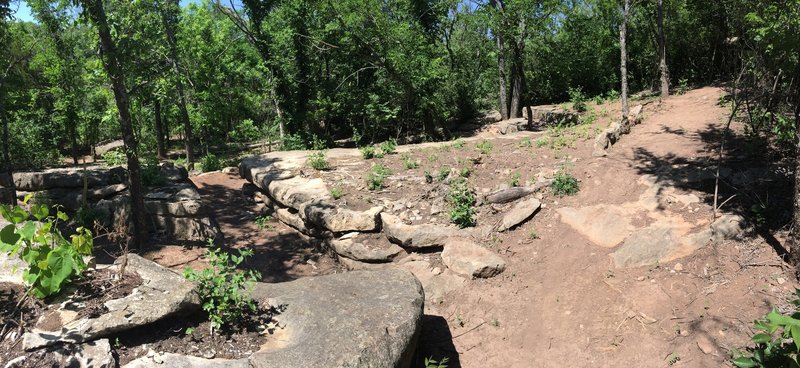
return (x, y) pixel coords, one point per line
(151, 173)
(114, 158)
(245, 131)
(444, 172)
(542, 141)
(577, 98)
(263, 222)
(485, 147)
(367, 152)
(428, 177)
(462, 202)
(683, 86)
(210, 162)
(564, 184)
(514, 182)
(337, 192)
(526, 143)
(87, 216)
(389, 147)
(318, 161)
(223, 289)
(52, 260)
(459, 143)
(376, 176)
(465, 172)
(409, 163)
(782, 350)
(431, 363)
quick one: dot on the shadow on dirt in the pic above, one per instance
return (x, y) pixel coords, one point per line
(436, 342)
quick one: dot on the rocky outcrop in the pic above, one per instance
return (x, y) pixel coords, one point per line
(162, 293)
(551, 114)
(319, 327)
(416, 236)
(467, 258)
(612, 134)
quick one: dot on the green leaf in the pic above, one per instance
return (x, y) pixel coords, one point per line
(62, 216)
(762, 338)
(744, 362)
(40, 212)
(61, 265)
(27, 231)
(795, 331)
(8, 236)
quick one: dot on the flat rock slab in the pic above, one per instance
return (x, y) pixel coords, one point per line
(667, 240)
(416, 236)
(365, 250)
(604, 225)
(297, 190)
(162, 293)
(470, 259)
(327, 215)
(520, 213)
(353, 319)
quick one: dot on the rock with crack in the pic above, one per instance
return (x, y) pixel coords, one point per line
(297, 190)
(320, 330)
(162, 293)
(416, 236)
(365, 250)
(327, 215)
(520, 213)
(470, 259)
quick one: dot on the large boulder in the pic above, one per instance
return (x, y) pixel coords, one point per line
(416, 236)
(467, 258)
(162, 293)
(353, 319)
(327, 215)
(61, 178)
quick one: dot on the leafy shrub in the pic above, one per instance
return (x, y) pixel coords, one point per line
(114, 158)
(564, 184)
(459, 143)
(465, 172)
(151, 173)
(514, 182)
(612, 95)
(783, 351)
(462, 200)
(526, 143)
(683, 86)
(430, 363)
(428, 177)
(210, 162)
(245, 131)
(444, 172)
(541, 142)
(52, 260)
(389, 146)
(485, 147)
(337, 192)
(292, 142)
(409, 163)
(577, 98)
(263, 222)
(376, 176)
(367, 152)
(317, 161)
(86, 217)
(180, 161)
(223, 289)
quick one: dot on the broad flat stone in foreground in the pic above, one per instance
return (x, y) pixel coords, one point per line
(470, 259)
(161, 294)
(353, 319)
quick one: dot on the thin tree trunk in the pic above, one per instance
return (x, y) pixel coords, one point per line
(662, 51)
(623, 57)
(7, 159)
(169, 28)
(111, 63)
(518, 73)
(794, 233)
(72, 126)
(159, 128)
(501, 64)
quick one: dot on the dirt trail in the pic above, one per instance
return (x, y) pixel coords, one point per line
(563, 301)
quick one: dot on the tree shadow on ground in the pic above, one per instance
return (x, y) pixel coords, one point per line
(436, 342)
(755, 180)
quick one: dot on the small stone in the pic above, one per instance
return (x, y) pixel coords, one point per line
(436, 271)
(781, 280)
(705, 345)
(678, 267)
(640, 278)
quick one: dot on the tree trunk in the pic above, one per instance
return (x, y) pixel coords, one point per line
(662, 51)
(501, 77)
(518, 73)
(623, 57)
(794, 233)
(169, 28)
(72, 126)
(159, 128)
(6, 170)
(111, 63)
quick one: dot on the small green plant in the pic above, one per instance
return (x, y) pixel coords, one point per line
(52, 260)
(367, 152)
(376, 176)
(151, 173)
(577, 98)
(526, 143)
(459, 143)
(444, 172)
(337, 192)
(673, 358)
(86, 216)
(564, 184)
(542, 141)
(533, 234)
(612, 95)
(263, 222)
(759, 213)
(114, 158)
(409, 163)
(428, 177)
(318, 161)
(683, 86)
(465, 172)
(462, 201)
(389, 146)
(180, 161)
(782, 350)
(431, 363)
(514, 182)
(210, 162)
(485, 147)
(224, 290)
